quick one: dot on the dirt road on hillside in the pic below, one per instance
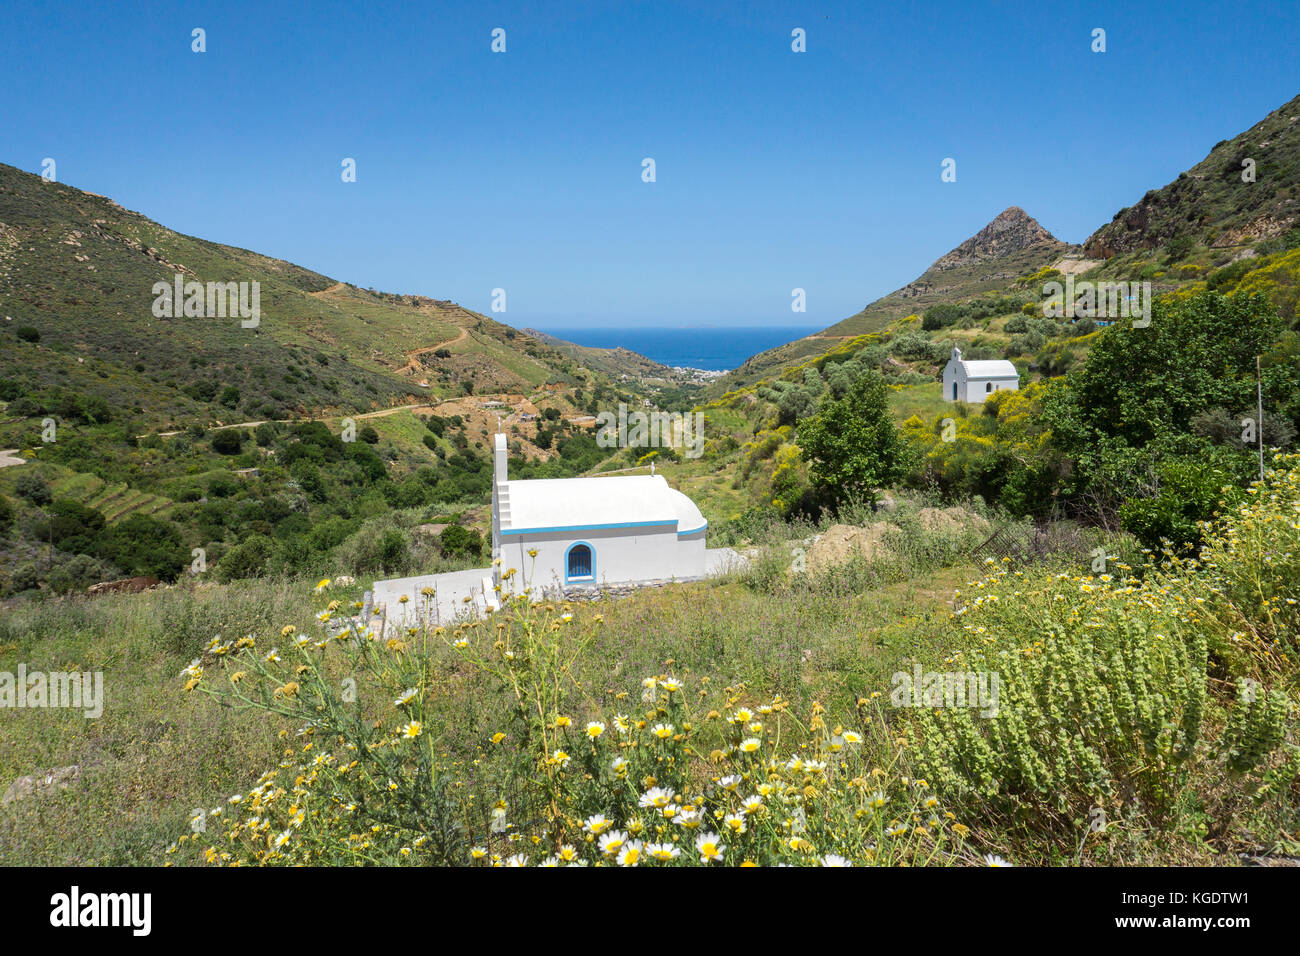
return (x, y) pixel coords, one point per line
(286, 421)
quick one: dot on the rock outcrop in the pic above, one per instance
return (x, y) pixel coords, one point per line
(1012, 230)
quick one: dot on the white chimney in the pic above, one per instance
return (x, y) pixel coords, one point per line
(499, 459)
(500, 501)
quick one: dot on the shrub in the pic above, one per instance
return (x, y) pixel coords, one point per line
(223, 486)
(940, 316)
(28, 333)
(1222, 280)
(793, 405)
(1178, 249)
(80, 572)
(139, 544)
(458, 542)
(1106, 697)
(228, 441)
(380, 546)
(23, 577)
(33, 488)
(1189, 495)
(24, 407)
(71, 526)
(248, 559)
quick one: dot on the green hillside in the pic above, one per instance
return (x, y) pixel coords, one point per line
(344, 415)
(1211, 204)
(78, 275)
(1011, 246)
(990, 296)
(1209, 218)
(1103, 539)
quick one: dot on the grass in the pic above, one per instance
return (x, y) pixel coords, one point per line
(154, 756)
(147, 763)
(819, 653)
(814, 656)
(923, 400)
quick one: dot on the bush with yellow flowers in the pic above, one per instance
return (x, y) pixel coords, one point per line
(1128, 691)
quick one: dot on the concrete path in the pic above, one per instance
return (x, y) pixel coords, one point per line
(10, 457)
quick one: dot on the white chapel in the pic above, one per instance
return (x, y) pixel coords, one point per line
(593, 531)
(967, 380)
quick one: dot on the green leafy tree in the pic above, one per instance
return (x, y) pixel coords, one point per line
(1141, 385)
(851, 445)
(80, 572)
(793, 405)
(71, 526)
(1139, 402)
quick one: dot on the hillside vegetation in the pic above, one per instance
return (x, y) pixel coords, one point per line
(1143, 717)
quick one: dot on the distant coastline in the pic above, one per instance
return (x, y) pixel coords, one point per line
(703, 350)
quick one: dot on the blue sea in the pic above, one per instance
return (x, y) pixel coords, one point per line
(716, 349)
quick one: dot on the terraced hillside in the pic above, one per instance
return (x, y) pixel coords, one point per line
(114, 500)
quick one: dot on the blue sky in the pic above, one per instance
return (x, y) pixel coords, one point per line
(522, 170)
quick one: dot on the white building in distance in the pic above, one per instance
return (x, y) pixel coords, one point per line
(975, 380)
(593, 531)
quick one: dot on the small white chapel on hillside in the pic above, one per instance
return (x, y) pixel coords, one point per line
(593, 531)
(967, 380)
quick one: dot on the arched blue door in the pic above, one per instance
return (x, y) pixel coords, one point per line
(954, 390)
(579, 563)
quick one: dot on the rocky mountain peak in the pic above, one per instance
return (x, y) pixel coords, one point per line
(1011, 231)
